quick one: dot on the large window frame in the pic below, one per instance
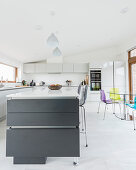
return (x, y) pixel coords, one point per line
(16, 74)
(131, 61)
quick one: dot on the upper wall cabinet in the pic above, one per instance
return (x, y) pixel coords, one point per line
(54, 68)
(81, 68)
(40, 68)
(29, 68)
(68, 68)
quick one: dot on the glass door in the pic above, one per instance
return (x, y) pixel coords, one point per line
(133, 72)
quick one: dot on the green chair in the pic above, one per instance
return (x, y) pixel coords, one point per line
(114, 94)
(115, 97)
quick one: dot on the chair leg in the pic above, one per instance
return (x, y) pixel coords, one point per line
(114, 107)
(127, 110)
(85, 127)
(133, 119)
(82, 117)
(99, 107)
(104, 111)
(120, 108)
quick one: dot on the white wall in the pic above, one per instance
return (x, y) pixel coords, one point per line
(97, 56)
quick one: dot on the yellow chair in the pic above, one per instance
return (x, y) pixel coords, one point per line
(115, 97)
(114, 94)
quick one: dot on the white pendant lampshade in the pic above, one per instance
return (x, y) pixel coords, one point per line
(52, 41)
(57, 52)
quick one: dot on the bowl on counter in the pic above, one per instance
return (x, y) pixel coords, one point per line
(55, 87)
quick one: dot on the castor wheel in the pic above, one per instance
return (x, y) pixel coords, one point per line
(86, 145)
(75, 163)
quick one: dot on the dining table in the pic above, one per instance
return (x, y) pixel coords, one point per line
(125, 96)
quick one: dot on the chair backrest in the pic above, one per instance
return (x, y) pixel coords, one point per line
(135, 100)
(79, 88)
(113, 94)
(83, 95)
(102, 96)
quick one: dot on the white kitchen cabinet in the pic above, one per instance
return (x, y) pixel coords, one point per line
(118, 81)
(54, 68)
(119, 75)
(68, 68)
(107, 76)
(81, 67)
(29, 68)
(40, 68)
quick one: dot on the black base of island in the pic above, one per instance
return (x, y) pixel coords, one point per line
(29, 160)
(41, 128)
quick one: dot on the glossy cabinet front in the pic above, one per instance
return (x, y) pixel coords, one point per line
(42, 128)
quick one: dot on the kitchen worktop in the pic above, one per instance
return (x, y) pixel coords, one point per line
(45, 93)
(13, 88)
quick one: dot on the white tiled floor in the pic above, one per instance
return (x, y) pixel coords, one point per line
(112, 146)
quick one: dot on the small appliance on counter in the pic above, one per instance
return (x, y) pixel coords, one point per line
(42, 83)
(68, 82)
(32, 83)
(24, 83)
(83, 82)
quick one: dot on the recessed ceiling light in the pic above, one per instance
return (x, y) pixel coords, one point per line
(38, 27)
(57, 32)
(52, 13)
(124, 10)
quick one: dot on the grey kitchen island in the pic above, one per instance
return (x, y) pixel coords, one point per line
(42, 123)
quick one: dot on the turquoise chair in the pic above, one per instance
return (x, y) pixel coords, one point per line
(133, 106)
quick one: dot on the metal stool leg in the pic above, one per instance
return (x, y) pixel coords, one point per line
(85, 127)
(82, 118)
(76, 161)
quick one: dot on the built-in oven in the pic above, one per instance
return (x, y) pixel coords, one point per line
(95, 80)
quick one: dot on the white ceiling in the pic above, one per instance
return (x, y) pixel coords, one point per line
(80, 25)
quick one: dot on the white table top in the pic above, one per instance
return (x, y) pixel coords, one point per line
(45, 93)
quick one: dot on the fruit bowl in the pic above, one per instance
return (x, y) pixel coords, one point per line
(55, 87)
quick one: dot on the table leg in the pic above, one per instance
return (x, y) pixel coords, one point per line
(124, 108)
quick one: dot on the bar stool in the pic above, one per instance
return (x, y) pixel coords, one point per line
(82, 100)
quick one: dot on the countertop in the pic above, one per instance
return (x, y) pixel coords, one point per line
(45, 93)
(13, 88)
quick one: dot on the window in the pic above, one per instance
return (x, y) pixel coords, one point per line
(133, 53)
(8, 73)
(132, 72)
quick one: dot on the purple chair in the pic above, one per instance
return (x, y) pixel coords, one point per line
(103, 99)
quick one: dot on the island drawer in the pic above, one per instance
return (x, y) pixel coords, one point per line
(43, 112)
(43, 105)
(43, 142)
